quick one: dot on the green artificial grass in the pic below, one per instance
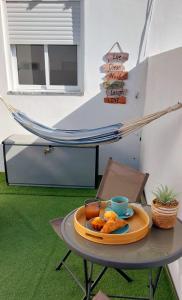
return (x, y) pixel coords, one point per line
(30, 250)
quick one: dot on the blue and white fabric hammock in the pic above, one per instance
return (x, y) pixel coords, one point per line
(85, 137)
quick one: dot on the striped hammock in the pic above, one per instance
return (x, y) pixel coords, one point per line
(85, 137)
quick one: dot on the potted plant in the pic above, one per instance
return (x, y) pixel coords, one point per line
(164, 207)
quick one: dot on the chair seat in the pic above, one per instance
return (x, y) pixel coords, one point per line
(56, 225)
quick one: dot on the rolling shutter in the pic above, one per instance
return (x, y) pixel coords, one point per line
(44, 22)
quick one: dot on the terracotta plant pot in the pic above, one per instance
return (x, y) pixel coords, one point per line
(164, 216)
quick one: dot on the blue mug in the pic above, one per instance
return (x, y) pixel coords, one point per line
(119, 204)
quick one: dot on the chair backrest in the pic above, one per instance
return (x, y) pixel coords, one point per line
(121, 180)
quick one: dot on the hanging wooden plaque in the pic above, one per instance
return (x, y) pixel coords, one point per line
(118, 75)
(115, 75)
(116, 92)
(119, 100)
(113, 67)
(116, 56)
(113, 84)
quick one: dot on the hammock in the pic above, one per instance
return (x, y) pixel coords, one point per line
(85, 137)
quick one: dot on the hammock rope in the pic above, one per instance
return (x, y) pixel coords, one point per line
(86, 137)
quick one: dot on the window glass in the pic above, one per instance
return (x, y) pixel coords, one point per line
(31, 67)
(63, 64)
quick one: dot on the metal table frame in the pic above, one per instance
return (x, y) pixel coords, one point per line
(73, 241)
(90, 284)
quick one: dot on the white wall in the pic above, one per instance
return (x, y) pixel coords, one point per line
(128, 22)
(106, 21)
(162, 140)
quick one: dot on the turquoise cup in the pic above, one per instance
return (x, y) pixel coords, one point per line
(119, 204)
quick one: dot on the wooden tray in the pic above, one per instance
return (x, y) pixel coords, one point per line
(138, 227)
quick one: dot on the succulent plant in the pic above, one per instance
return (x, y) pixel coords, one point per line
(164, 195)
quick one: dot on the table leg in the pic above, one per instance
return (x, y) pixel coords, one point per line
(62, 263)
(124, 275)
(151, 288)
(90, 285)
(98, 278)
(74, 277)
(86, 275)
(153, 283)
(88, 280)
(63, 260)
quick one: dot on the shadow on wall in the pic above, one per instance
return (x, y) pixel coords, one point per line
(95, 113)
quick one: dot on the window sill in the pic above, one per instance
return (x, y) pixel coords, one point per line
(46, 93)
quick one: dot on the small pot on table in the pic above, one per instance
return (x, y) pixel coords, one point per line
(164, 215)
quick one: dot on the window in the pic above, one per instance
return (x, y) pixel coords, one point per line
(63, 65)
(46, 66)
(30, 64)
(45, 44)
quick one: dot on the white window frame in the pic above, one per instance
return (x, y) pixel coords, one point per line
(47, 87)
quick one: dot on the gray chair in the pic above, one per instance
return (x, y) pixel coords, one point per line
(56, 225)
(119, 179)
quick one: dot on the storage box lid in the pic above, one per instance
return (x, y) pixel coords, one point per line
(26, 139)
(30, 139)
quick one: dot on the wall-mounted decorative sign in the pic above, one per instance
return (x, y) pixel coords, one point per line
(113, 84)
(113, 67)
(116, 92)
(118, 100)
(115, 76)
(117, 57)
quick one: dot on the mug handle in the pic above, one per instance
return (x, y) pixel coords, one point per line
(108, 203)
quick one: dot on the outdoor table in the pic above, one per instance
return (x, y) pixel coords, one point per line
(158, 248)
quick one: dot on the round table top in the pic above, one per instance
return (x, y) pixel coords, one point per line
(158, 248)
